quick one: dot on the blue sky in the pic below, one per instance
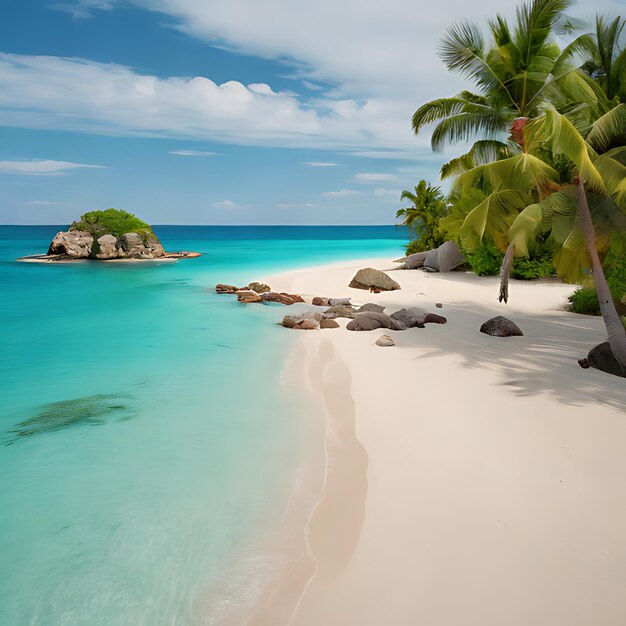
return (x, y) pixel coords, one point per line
(220, 112)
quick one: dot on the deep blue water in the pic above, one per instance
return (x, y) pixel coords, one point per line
(144, 433)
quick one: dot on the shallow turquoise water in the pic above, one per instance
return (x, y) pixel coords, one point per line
(142, 438)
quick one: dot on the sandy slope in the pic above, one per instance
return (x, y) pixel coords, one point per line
(470, 480)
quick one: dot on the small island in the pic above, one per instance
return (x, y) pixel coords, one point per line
(111, 235)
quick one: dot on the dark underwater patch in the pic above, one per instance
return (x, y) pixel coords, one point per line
(88, 410)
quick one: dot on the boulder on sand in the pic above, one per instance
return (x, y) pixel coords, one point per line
(445, 258)
(385, 341)
(328, 323)
(501, 327)
(413, 261)
(308, 320)
(319, 301)
(283, 298)
(370, 306)
(370, 320)
(602, 358)
(370, 278)
(414, 317)
(339, 310)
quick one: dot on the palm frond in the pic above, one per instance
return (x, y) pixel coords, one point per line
(493, 217)
(609, 130)
(444, 107)
(565, 139)
(463, 51)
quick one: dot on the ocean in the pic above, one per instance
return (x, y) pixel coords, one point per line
(146, 440)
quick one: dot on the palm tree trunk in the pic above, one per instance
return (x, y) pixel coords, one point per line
(614, 325)
(505, 271)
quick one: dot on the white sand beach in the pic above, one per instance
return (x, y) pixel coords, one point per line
(470, 480)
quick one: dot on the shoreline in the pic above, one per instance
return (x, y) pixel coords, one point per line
(460, 507)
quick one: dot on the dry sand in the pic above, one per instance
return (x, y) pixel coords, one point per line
(470, 480)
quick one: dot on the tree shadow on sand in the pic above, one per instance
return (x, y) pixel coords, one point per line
(544, 360)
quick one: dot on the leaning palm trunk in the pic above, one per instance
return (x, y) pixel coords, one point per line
(614, 326)
(505, 271)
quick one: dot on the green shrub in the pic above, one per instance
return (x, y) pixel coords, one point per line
(585, 300)
(415, 245)
(537, 265)
(114, 222)
(485, 259)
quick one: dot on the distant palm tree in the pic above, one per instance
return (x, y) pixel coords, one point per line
(607, 62)
(422, 218)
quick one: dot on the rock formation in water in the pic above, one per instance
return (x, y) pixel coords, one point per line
(105, 235)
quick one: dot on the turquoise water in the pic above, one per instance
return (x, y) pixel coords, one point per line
(143, 443)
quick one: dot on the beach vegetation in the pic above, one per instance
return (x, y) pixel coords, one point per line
(116, 222)
(559, 175)
(427, 207)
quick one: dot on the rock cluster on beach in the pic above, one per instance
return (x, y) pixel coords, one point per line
(258, 292)
(369, 316)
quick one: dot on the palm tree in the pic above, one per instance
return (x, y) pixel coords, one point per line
(422, 218)
(595, 195)
(607, 62)
(518, 71)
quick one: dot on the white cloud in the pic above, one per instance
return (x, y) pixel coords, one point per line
(294, 205)
(192, 153)
(42, 203)
(80, 95)
(375, 178)
(321, 164)
(42, 168)
(380, 192)
(378, 59)
(229, 204)
(342, 193)
(84, 8)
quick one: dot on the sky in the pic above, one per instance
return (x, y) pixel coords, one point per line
(223, 111)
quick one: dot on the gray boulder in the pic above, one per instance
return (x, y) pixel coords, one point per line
(370, 278)
(107, 247)
(155, 249)
(414, 317)
(339, 310)
(501, 327)
(431, 262)
(602, 358)
(342, 301)
(132, 246)
(410, 317)
(445, 258)
(76, 244)
(319, 301)
(413, 261)
(370, 306)
(370, 320)
(308, 320)
(449, 256)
